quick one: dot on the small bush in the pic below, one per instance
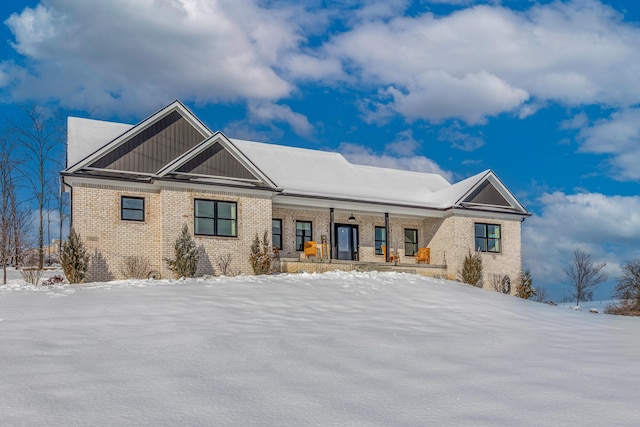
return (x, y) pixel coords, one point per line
(471, 272)
(31, 275)
(74, 258)
(624, 308)
(186, 258)
(224, 265)
(53, 280)
(261, 255)
(135, 267)
(500, 283)
(524, 288)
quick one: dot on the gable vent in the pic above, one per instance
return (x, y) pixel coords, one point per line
(487, 194)
(154, 147)
(216, 161)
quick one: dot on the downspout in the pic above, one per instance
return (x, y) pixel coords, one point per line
(62, 185)
(332, 233)
(387, 231)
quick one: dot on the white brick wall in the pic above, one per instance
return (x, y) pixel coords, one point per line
(96, 217)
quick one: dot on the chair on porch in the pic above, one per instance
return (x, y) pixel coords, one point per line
(310, 249)
(392, 256)
(423, 255)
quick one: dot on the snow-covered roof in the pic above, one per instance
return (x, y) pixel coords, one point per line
(298, 171)
(308, 172)
(86, 136)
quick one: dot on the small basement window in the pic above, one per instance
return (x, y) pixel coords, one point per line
(132, 208)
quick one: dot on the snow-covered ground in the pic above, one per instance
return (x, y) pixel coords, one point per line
(331, 349)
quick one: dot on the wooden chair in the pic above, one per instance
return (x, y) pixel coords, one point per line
(310, 249)
(423, 255)
(392, 256)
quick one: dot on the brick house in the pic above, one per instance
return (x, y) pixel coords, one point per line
(133, 187)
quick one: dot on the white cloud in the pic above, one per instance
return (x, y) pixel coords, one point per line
(618, 136)
(362, 155)
(578, 121)
(477, 62)
(404, 145)
(138, 54)
(484, 60)
(268, 113)
(459, 139)
(606, 226)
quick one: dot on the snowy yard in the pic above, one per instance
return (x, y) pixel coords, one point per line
(332, 349)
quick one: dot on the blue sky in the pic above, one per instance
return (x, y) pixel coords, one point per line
(545, 93)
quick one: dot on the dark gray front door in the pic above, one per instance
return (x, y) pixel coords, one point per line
(347, 241)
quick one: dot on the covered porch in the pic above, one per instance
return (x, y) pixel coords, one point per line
(311, 265)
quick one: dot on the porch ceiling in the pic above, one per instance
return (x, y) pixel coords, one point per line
(355, 207)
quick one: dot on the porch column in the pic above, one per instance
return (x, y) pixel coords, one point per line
(332, 233)
(387, 231)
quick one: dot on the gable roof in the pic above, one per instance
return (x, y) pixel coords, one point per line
(305, 172)
(173, 144)
(170, 143)
(481, 190)
(85, 136)
(157, 139)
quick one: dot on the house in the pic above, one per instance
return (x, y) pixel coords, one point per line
(134, 187)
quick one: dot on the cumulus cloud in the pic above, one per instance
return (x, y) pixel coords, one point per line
(589, 221)
(459, 139)
(363, 155)
(138, 54)
(404, 145)
(484, 60)
(618, 136)
(268, 113)
(476, 62)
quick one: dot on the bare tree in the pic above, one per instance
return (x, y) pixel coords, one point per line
(628, 286)
(6, 215)
(540, 294)
(39, 135)
(12, 220)
(584, 275)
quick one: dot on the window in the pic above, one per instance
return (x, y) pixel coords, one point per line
(487, 237)
(216, 218)
(132, 208)
(380, 238)
(303, 234)
(276, 233)
(410, 241)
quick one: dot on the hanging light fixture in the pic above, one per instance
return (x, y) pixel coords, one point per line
(352, 218)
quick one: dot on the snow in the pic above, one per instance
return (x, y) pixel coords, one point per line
(326, 174)
(306, 172)
(85, 136)
(326, 349)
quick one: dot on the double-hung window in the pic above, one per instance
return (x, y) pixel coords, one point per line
(216, 218)
(487, 237)
(303, 234)
(276, 233)
(132, 208)
(410, 241)
(380, 236)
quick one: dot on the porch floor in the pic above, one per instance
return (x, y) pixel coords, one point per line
(297, 265)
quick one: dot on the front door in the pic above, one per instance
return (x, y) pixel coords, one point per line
(347, 242)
